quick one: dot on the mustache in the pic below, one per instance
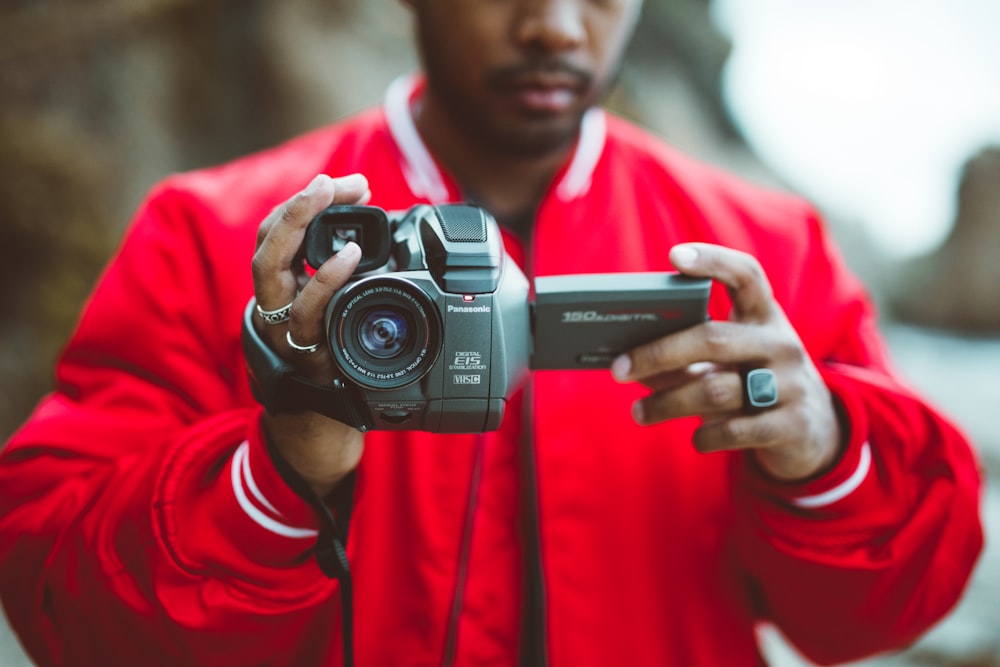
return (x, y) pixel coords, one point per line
(558, 71)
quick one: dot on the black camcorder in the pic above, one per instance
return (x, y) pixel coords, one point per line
(438, 326)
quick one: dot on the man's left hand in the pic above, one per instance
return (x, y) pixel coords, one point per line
(701, 372)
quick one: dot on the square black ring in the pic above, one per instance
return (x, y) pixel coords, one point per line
(760, 388)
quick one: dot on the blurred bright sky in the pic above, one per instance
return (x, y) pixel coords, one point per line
(869, 107)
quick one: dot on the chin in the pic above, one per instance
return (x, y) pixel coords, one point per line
(531, 138)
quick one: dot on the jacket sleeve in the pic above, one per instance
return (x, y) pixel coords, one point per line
(141, 521)
(868, 556)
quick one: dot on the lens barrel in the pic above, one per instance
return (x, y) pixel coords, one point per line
(385, 332)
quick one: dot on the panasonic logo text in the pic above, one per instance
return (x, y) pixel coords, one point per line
(469, 309)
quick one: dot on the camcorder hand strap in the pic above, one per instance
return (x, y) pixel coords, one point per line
(277, 386)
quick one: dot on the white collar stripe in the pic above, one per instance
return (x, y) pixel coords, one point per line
(426, 180)
(593, 134)
(419, 169)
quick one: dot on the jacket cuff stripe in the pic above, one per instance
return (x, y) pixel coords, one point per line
(845, 488)
(243, 453)
(240, 474)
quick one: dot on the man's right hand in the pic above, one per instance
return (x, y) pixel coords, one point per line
(320, 449)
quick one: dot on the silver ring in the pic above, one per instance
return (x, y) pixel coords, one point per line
(760, 389)
(275, 316)
(301, 349)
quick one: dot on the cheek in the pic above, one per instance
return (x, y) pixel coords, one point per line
(465, 42)
(608, 49)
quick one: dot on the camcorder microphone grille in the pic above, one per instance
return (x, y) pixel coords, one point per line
(463, 224)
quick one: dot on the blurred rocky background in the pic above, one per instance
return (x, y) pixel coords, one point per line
(100, 99)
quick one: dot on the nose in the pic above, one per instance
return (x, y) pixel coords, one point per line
(551, 25)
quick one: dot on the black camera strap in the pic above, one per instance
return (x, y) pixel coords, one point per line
(331, 545)
(534, 646)
(276, 385)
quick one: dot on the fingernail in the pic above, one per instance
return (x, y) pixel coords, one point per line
(315, 184)
(349, 251)
(637, 412)
(621, 366)
(352, 179)
(699, 367)
(683, 256)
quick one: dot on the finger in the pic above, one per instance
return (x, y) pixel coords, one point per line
(672, 379)
(280, 235)
(712, 394)
(718, 342)
(314, 198)
(307, 319)
(740, 272)
(287, 223)
(760, 431)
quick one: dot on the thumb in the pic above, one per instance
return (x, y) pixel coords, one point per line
(740, 272)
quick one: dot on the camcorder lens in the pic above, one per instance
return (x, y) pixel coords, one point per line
(384, 333)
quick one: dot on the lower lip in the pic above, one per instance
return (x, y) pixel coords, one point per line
(550, 100)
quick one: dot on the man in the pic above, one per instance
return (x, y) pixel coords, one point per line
(639, 517)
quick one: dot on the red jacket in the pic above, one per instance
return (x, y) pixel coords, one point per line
(143, 524)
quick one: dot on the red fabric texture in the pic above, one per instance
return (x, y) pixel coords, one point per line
(123, 541)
